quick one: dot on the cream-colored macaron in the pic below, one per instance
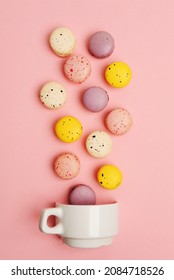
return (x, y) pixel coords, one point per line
(62, 41)
(53, 95)
(99, 144)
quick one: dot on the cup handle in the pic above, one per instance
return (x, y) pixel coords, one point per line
(46, 213)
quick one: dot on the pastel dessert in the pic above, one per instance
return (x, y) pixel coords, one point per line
(101, 44)
(67, 166)
(99, 144)
(68, 129)
(109, 177)
(118, 74)
(62, 41)
(95, 99)
(119, 121)
(77, 68)
(53, 95)
(82, 195)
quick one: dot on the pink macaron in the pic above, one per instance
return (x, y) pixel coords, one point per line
(82, 195)
(67, 166)
(77, 68)
(119, 121)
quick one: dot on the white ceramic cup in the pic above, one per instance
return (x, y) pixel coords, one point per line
(83, 226)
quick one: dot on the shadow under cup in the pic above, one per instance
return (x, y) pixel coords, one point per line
(83, 226)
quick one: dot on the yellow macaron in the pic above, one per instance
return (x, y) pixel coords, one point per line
(109, 177)
(118, 74)
(68, 129)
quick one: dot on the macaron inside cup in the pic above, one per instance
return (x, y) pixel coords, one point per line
(82, 195)
(77, 68)
(67, 166)
(119, 121)
(95, 99)
(101, 44)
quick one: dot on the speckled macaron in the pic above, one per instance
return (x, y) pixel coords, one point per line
(101, 44)
(77, 68)
(67, 166)
(82, 195)
(99, 144)
(68, 129)
(118, 74)
(119, 121)
(53, 95)
(95, 99)
(109, 177)
(62, 41)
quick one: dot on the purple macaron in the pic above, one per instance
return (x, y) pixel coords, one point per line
(82, 195)
(101, 44)
(95, 99)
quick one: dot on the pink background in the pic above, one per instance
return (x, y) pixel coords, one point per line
(143, 32)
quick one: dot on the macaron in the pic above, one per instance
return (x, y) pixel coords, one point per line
(95, 99)
(62, 41)
(68, 129)
(119, 121)
(118, 74)
(109, 177)
(101, 44)
(77, 68)
(53, 95)
(99, 144)
(82, 195)
(67, 166)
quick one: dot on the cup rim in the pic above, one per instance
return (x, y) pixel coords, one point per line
(87, 205)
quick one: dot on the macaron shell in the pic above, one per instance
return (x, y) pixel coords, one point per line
(68, 129)
(77, 68)
(109, 177)
(95, 99)
(101, 44)
(119, 121)
(99, 144)
(82, 195)
(62, 41)
(53, 95)
(67, 166)
(118, 74)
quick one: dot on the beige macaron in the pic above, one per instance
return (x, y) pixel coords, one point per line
(99, 144)
(53, 95)
(62, 41)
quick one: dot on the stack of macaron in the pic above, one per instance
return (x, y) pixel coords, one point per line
(53, 95)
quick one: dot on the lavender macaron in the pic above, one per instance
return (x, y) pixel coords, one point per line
(82, 195)
(95, 99)
(101, 44)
